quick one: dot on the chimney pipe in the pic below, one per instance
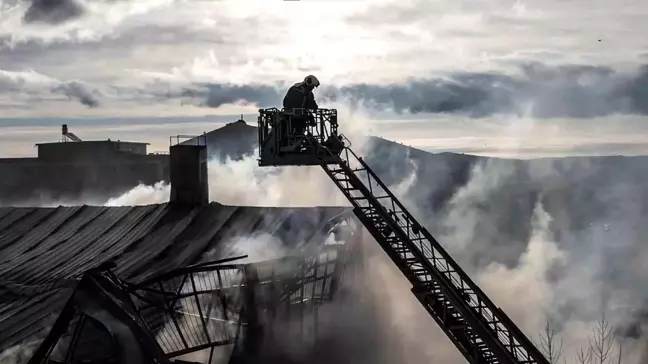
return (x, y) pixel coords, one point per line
(188, 169)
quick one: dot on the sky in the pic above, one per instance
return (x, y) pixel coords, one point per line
(525, 78)
(505, 78)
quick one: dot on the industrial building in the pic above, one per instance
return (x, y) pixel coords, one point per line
(153, 294)
(74, 169)
(45, 253)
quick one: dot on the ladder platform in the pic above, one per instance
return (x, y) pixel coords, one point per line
(298, 137)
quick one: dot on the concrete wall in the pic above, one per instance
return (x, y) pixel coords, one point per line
(32, 180)
(189, 179)
(90, 150)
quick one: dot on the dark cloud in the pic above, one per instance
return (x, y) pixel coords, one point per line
(52, 11)
(473, 94)
(573, 91)
(36, 86)
(538, 90)
(216, 95)
(79, 92)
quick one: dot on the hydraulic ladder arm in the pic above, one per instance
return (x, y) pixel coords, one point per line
(481, 331)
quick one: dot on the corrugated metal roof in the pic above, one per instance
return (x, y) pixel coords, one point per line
(43, 249)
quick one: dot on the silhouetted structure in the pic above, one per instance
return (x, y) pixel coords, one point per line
(233, 141)
(75, 169)
(189, 178)
(110, 284)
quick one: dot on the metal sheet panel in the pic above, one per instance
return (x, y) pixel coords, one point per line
(193, 243)
(25, 223)
(63, 224)
(4, 211)
(174, 223)
(13, 215)
(27, 316)
(113, 242)
(98, 221)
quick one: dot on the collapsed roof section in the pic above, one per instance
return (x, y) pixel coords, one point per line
(214, 305)
(44, 250)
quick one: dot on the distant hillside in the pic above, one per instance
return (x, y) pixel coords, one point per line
(578, 192)
(233, 141)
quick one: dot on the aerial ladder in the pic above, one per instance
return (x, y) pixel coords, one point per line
(480, 330)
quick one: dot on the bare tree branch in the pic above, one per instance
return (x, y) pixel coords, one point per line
(603, 340)
(584, 357)
(551, 346)
(620, 352)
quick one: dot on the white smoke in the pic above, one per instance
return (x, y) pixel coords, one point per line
(142, 195)
(556, 279)
(463, 221)
(258, 247)
(528, 280)
(19, 354)
(547, 277)
(242, 182)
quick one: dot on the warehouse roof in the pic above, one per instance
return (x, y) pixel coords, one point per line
(43, 249)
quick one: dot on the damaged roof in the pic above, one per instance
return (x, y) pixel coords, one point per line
(42, 250)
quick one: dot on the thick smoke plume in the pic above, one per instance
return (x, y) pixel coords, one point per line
(559, 270)
(547, 241)
(143, 195)
(563, 272)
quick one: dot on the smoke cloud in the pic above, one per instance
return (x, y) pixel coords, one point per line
(358, 324)
(573, 265)
(18, 354)
(143, 195)
(548, 240)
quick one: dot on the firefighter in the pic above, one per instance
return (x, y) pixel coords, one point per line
(300, 96)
